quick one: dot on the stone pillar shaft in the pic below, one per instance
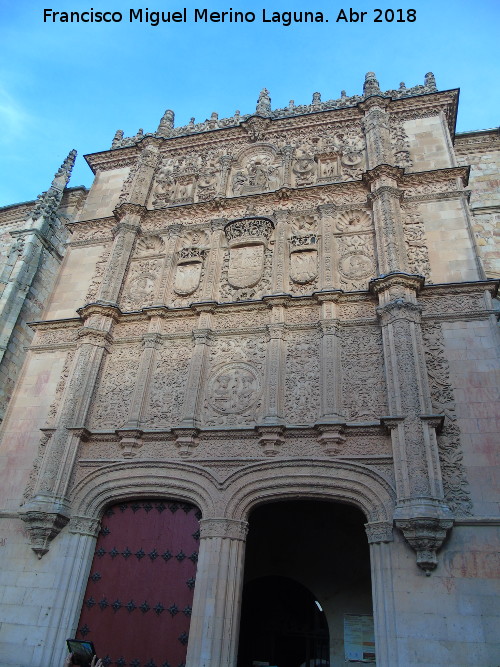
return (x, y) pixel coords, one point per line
(213, 635)
(420, 497)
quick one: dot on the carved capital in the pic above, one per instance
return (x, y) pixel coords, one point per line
(399, 309)
(100, 308)
(397, 279)
(92, 336)
(130, 441)
(383, 171)
(151, 340)
(330, 437)
(186, 439)
(374, 102)
(128, 209)
(225, 528)
(271, 438)
(83, 525)
(379, 531)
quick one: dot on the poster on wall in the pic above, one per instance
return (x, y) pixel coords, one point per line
(359, 638)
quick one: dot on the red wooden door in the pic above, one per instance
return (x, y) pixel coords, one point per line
(137, 605)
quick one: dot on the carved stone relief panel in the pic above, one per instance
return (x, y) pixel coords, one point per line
(129, 329)
(54, 407)
(150, 244)
(456, 487)
(356, 261)
(112, 399)
(415, 240)
(241, 319)
(168, 383)
(256, 169)
(96, 281)
(302, 399)
(139, 289)
(363, 382)
(234, 380)
(400, 143)
(303, 251)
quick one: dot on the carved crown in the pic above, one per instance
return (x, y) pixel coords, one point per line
(248, 230)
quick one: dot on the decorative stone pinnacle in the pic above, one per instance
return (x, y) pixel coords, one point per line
(263, 103)
(430, 81)
(48, 202)
(63, 174)
(371, 85)
(166, 123)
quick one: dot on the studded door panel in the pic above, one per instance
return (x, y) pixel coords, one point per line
(137, 605)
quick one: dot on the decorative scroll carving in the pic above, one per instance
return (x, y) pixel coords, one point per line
(456, 487)
(416, 243)
(168, 383)
(112, 400)
(363, 383)
(302, 378)
(96, 281)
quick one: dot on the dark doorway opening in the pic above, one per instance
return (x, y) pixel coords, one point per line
(282, 625)
(307, 565)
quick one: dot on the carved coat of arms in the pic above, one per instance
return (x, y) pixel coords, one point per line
(246, 265)
(187, 277)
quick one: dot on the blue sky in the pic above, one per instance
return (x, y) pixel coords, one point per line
(65, 86)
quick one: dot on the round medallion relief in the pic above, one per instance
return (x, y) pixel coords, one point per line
(356, 265)
(233, 388)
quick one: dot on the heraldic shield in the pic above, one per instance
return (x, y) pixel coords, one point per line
(304, 266)
(187, 277)
(246, 265)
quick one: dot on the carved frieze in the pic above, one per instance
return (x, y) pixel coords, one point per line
(257, 169)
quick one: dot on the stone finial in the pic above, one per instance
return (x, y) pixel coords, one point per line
(263, 103)
(166, 123)
(430, 81)
(402, 85)
(117, 139)
(214, 115)
(371, 85)
(316, 98)
(343, 94)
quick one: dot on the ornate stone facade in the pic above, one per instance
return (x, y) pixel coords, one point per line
(292, 306)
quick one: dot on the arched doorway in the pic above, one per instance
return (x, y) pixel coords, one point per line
(320, 548)
(137, 604)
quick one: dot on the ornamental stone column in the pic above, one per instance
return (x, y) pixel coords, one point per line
(187, 433)
(214, 630)
(131, 433)
(421, 512)
(385, 198)
(331, 423)
(271, 428)
(48, 511)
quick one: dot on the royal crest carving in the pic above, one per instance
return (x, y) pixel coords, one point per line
(303, 258)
